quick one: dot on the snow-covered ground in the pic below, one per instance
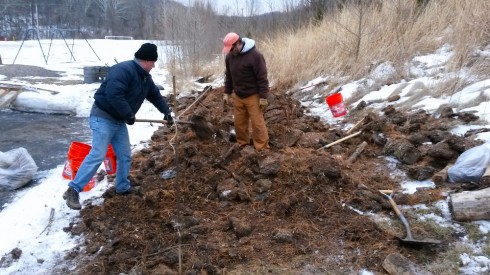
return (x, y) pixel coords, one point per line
(24, 222)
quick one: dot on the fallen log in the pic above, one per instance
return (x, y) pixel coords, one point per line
(357, 152)
(471, 205)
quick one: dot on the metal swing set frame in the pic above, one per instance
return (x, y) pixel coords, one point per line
(35, 32)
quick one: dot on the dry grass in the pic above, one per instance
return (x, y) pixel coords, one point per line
(350, 41)
(449, 261)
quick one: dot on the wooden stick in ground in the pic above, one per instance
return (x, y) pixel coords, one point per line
(357, 152)
(357, 124)
(340, 140)
(441, 176)
(50, 222)
(487, 172)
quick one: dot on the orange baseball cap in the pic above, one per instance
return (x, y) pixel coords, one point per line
(229, 40)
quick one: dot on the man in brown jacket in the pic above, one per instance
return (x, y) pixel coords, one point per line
(246, 77)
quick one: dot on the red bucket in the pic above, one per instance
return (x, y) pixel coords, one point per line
(110, 161)
(336, 104)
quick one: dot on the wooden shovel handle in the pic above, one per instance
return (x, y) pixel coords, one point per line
(161, 121)
(150, 120)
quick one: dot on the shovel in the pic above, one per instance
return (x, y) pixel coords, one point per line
(198, 124)
(409, 238)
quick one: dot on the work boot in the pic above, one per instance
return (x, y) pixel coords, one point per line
(72, 199)
(133, 190)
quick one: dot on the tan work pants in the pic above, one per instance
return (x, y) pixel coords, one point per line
(248, 110)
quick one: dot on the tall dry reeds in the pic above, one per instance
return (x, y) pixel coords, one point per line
(352, 40)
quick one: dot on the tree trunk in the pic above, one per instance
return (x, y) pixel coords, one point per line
(471, 205)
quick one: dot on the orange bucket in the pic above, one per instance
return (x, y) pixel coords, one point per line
(110, 161)
(336, 104)
(76, 150)
(76, 154)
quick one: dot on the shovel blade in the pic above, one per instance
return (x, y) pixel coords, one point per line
(411, 241)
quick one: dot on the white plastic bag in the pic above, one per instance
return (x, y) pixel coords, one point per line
(16, 169)
(470, 165)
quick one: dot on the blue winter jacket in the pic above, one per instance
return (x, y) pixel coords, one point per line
(126, 87)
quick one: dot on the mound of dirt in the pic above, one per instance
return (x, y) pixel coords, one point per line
(209, 207)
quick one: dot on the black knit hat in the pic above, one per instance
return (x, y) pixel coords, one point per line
(147, 52)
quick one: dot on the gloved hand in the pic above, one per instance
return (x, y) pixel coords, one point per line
(130, 120)
(263, 104)
(169, 119)
(226, 99)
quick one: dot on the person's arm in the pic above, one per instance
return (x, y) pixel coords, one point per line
(228, 78)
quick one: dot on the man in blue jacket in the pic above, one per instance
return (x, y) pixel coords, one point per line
(117, 101)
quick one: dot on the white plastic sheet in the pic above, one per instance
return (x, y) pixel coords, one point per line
(470, 165)
(16, 169)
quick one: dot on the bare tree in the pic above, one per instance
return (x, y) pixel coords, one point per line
(113, 12)
(358, 31)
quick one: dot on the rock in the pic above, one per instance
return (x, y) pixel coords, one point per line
(402, 150)
(393, 98)
(283, 236)
(397, 264)
(421, 172)
(446, 112)
(441, 151)
(270, 165)
(262, 185)
(312, 140)
(241, 228)
(467, 117)
(326, 167)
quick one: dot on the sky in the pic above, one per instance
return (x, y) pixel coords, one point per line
(245, 7)
(24, 221)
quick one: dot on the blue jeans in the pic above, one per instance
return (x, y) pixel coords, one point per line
(105, 132)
